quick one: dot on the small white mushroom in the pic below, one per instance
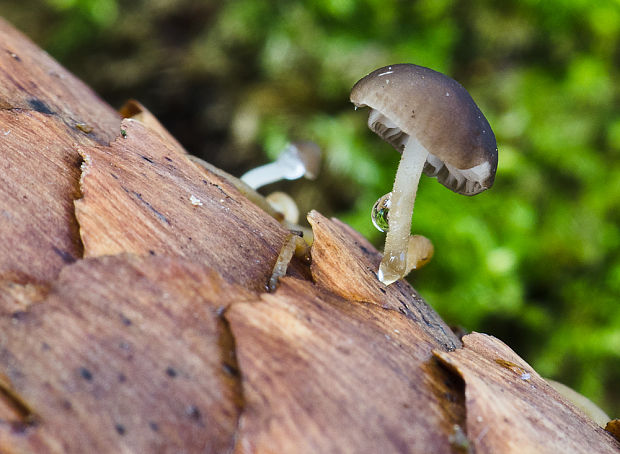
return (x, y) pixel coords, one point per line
(299, 159)
(436, 125)
(284, 203)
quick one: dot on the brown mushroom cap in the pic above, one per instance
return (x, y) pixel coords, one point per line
(410, 100)
(310, 154)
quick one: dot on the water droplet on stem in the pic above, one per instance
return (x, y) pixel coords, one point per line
(380, 212)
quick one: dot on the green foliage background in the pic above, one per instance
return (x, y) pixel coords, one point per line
(534, 261)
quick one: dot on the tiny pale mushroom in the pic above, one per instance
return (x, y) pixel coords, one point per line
(298, 159)
(436, 125)
(284, 203)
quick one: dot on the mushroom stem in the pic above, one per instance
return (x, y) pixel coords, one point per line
(264, 175)
(288, 166)
(394, 263)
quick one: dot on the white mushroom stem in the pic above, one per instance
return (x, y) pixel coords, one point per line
(288, 166)
(394, 263)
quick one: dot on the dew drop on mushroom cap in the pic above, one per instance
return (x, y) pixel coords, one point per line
(436, 125)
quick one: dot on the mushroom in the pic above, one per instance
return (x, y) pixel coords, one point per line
(284, 203)
(299, 159)
(436, 125)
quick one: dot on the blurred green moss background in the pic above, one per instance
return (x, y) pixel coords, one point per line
(534, 261)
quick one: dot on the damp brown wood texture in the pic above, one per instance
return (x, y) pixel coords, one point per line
(39, 171)
(511, 409)
(141, 195)
(324, 375)
(32, 80)
(44, 112)
(125, 354)
(134, 318)
(345, 263)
